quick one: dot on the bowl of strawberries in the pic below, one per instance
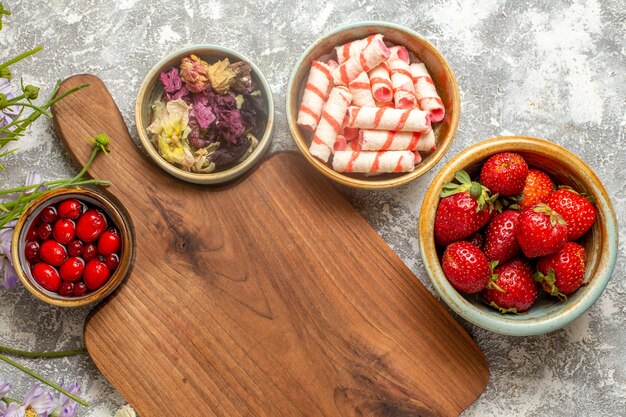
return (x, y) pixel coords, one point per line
(518, 235)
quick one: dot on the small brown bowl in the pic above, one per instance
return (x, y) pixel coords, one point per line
(96, 198)
(151, 89)
(600, 242)
(438, 68)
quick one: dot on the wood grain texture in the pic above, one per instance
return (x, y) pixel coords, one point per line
(268, 297)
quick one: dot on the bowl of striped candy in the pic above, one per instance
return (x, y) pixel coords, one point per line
(372, 105)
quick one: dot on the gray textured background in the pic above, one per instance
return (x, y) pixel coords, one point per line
(554, 70)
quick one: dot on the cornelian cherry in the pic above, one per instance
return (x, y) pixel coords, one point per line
(75, 247)
(89, 251)
(64, 231)
(70, 209)
(72, 269)
(80, 289)
(44, 231)
(112, 261)
(108, 243)
(90, 225)
(96, 274)
(48, 214)
(31, 251)
(52, 252)
(46, 276)
(66, 289)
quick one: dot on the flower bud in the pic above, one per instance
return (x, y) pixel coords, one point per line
(31, 92)
(6, 73)
(102, 139)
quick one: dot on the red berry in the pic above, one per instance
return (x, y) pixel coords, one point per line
(80, 289)
(514, 290)
(112, 261)
(108, 243)
(541, 231)
(44, 231)
(537, 188)
(72, 269)
(33, 233)
(562, 273)
(52, 252)
(64, 231)
(463, 210)
(48, 214)
(46, 276)
(96, 274)
(504, 173)
(466, 267)
(577, 211)
(75, 247)
(66, 289)
(70, 209)
(89, 251)
(31, 251)
(90, 225)
(500, 241)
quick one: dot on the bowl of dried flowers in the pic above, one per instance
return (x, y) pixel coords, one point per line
(204, 114)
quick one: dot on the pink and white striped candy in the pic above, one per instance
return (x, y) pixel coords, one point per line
(330, 123)
(413, 120)
(370, 57)
(402, 82)
(380, 80)
(399, 52)
(374, 162)
(361, 91)
(315, 95)
(354, 48)
(426, 92)
(389, 140)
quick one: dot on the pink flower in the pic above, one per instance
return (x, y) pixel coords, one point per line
(195, 73)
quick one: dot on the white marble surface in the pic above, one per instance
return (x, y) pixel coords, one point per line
(553, 69)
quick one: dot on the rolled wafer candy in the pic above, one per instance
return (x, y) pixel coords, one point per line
(340, 143)
(354, 48)
(332, 63)
(380, 80)
(361, 91)
(388, 140)
(329, 126)
(379, 118)
(315, 95)
(426, 92)
(389, 105)
(350, 133)
(399, 52)
(402, 82)
(370, 57)
(373, 162)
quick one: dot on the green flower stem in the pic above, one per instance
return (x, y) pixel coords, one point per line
(58, 354)
(21, 56)
(34, 107)
(43, 380)
(58, 184)
(8, 400)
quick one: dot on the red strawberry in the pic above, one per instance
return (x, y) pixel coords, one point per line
(466, 267)
(541, 231)
(504, 173)
(514, 290)
(562, 273)
(500, 241)
(577, 211)
(537, 188)
(464, 208)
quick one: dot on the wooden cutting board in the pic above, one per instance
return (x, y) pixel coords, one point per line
(268, 297)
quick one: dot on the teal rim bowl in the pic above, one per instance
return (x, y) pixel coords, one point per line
(151, 90)
(600, 243)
